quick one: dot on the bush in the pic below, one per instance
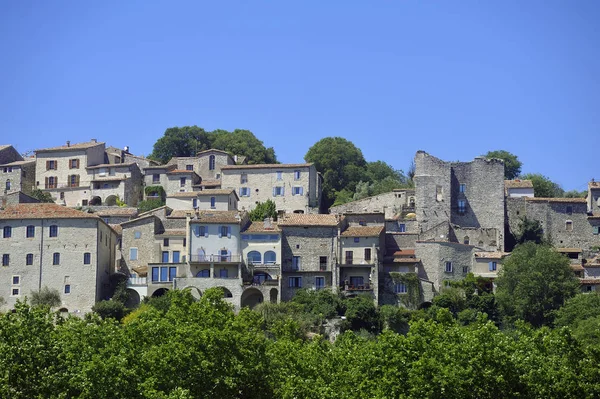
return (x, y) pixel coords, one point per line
(361, 313)
(148, 205)
(46, 297)
(110, 309)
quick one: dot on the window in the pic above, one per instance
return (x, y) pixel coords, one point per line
(270, 258)
(67, 288)
(16, 280)
(133, 254)
(322, 263)
(56, 258)
(400, 288)
(29, 259)
(296, 175)
(493, 266)
(223, 273)
(165, 257)
(296, 263)
(319, 283)
(356, 239)
(254, 258)
(297, 190)
(7, 231)
(278, 191)
(203, 273)
(349, 257)
(295, 282)
(362, 222)
(244, 192)
(200, 231)
(137, 234)
(448, 267)
(8, 185)
(73, 163)
(156, 178)
(462, 206)
(466, 240)
(5, 260)
(243, 178)
(439, 193)
(73, 180)
(195, 203)
(176, 257)
(61, 195)
(165, 242)
(182, 182)
(569, 209)
(213, 202)
(14, 292)
(189, 167)
(51, 181)
(357, 281)
(569, 225)
(465, 269)
(53, 230)
(279, 175)
(51, 165)
(87, 258)
(163, 274)
(462, 188)
(402, 227)
(225, 257)
(596, 229)
(367, 254)
(225, 231)
(211, 162)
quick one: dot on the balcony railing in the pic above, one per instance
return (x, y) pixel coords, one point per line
(350, 287)
(215, 258)
(358, 261)
(137, 281)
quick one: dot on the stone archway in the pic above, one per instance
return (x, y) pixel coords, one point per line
(226, 292)
(96, 201)
(159, 292)
(133, 299)
(273, 294)
(111, 200)
(251, 297)
(195, 291)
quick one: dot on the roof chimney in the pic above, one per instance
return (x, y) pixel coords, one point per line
(68, 143)
(94, 141)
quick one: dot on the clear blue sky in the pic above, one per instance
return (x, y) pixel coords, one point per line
(453, 78)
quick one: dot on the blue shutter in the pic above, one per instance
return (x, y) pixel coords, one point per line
(301, 190)
(155, 274)
(228, 231)
(491, 266)
(164, 273)
(206, 231)
(274, 191)
(172, 273)
(220, 231)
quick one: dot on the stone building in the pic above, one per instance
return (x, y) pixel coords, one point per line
(295, 188)
(16, 174)
(518, 188)
(112, 182)
(48, 245)
(394, 204)
(309, 247)
(215, 199)
(206, 163)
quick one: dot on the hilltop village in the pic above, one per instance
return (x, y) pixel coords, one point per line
(459, 218)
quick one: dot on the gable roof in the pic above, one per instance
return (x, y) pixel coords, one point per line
(229, 217)
(72, 147)
(517, 183)
(362, 231)
(267, 166)
(43, 211)
(301, 219)
(558, 200)
(259, 227)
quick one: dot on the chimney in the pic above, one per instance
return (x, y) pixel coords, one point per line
(267, 224)
(68, 143)
(94, 141)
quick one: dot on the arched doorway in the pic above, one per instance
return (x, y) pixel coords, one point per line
(273, 295)
(226, 292)
(133, 299)
(96, 201)
(251, 297)
(111, 200)
(159, 292)
(195, 291)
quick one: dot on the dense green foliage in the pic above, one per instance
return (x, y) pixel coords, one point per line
(529, 230)
(263, 210)
(534, 282)
(543, 187)
(512, 165)
(46, 297)
(43, 196)
(148, 205)
(187, 141)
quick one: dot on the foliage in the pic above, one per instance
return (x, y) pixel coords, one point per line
(581, 307)
(43, 196)
(529, 230)
(120, 293)
(361, 313)
(543, 187)
(576, 194)
(155, 191)
(412, 298)
(187, 141)
(394, 318)
(534, 282)
(263, 210)
(113, 309)
(148, 205)
(321, 303)
(46, 297)
(512, 165)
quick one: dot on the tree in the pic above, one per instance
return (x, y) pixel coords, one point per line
(576, 194)
(529, 230)
(46, 297)
(263, 210)
(243, 142)
(43, 196)
(512, 165)
(183, 141)
(534, 282)
(340, 162)
(580, 307)
(543, 187)
(361, 313)
(148, 205)
(113, 309)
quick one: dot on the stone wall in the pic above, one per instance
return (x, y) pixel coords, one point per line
(434, 255)
(391, 204)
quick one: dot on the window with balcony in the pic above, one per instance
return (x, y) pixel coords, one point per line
(254, 258)
(225, 255)
(163, 274)
(270, 258)
(51, 181)
(176, 257)
(357, 281)
(73, 180)
(165, 257)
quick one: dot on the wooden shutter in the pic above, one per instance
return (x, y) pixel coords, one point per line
(78, 167)
(47, 166)
(46, 185)
(77, 178)
(69, 181)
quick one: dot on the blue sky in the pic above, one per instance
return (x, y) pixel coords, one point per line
(453, 78)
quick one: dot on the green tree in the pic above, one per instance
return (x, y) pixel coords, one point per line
(580, 307)
(543, 187)
(183, 141)
(46, 297)
(243, 142)
(340, 162)
(43, 196)
(529, 230)
(512, 165)
(113, 309)
(148, 205)
(576, 194)
(534, 282)
(361, 313)
(263, 210)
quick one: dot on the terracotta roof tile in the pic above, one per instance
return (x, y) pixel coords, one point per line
(173, 233)
(565, 200)
(117, 228)
(216, 191)
(181, 214)
(187, 194)
(76, 146)
(300, 219)
(231, 217)
(117, 211)
(569, 250)
(267, 166)
(259, 227)
(111, 165)
(405, 252)
(518, 183)
(363, 231)
(590, 281)
(43, 211)
(491, 255)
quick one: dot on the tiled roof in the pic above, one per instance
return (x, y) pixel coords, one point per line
(141, 216)
(168, 167)
(4, 146)
(590, 281)
(259, 227)
(210, 183)
(267, 166)
(117, 228)
(19, 163)
(181, 214)
(155, 210)
(187, 194)
(491, 255)
(405, 252)
(569, 250)
(518, 183)
(173, 232)
(111, 165)
(301, 219)
(363, 231)
(43, 211)
(231, 217)
(76, 146)
(216, 191)
(565, 200)
(180, 172)
(117, 211)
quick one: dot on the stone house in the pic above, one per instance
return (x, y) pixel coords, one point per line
(518, 188)
(395, 204)
(295, 188)
(16, 174)
(62, 172)
(110, 182)
(116, 155)
(488, 264)
(180, 181)
(156, 175)
(48, 245)
(209, 199)
(309, 248)
(206, 163)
